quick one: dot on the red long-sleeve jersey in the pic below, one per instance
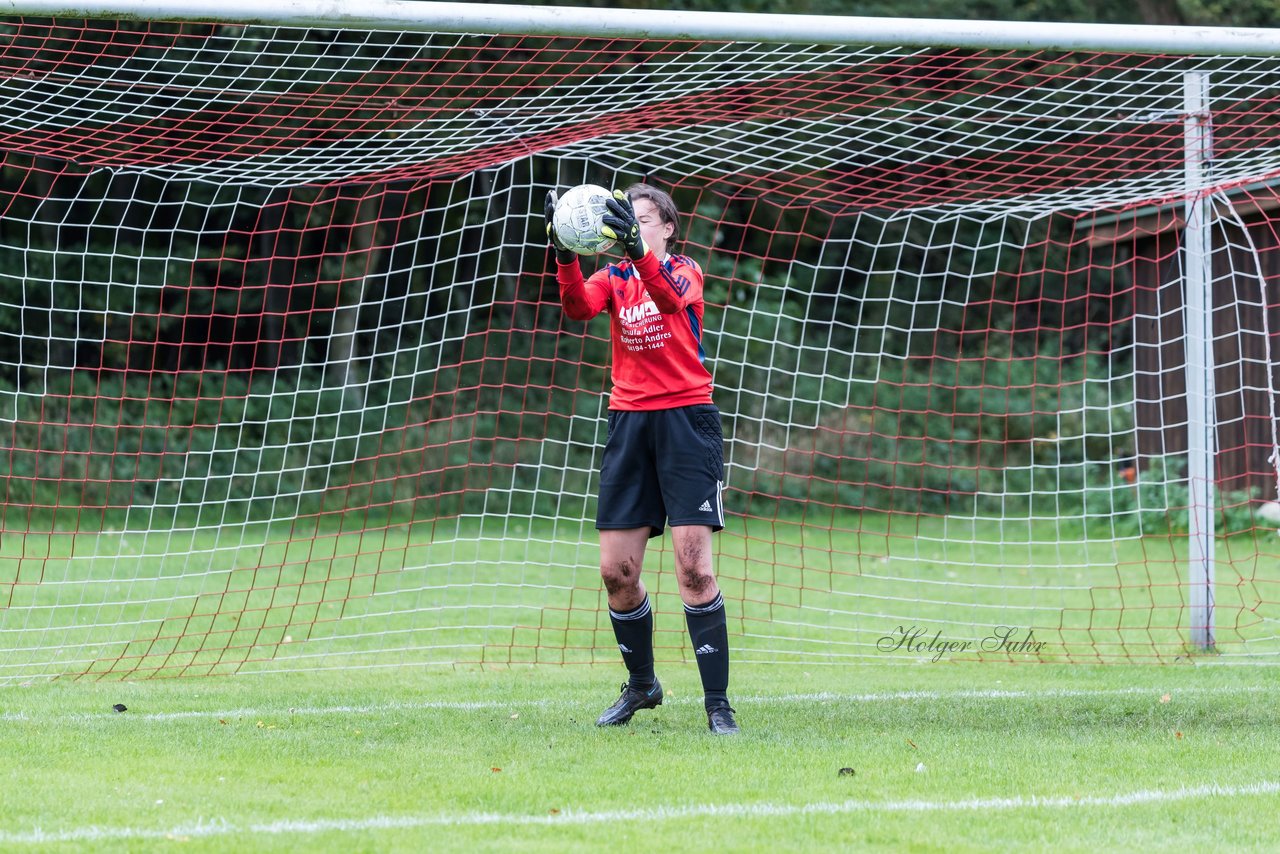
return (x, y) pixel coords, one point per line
(655, 315)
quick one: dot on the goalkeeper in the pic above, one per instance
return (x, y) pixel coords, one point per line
(664, 456)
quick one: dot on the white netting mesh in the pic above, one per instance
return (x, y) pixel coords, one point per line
(287, 384)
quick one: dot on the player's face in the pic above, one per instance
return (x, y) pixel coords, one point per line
(654, 231)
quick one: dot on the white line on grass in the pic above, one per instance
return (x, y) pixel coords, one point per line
(998, 694)
(563, 704)
(96, 833)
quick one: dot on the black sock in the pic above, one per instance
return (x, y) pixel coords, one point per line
(634, 631)
(710, 634)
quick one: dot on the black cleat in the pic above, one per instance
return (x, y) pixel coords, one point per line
(720, 721)
(631, 701)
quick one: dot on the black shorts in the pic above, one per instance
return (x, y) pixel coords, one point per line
(662, 467)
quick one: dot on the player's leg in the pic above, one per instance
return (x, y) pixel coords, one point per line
(708, 626)
(690, 451)
(629, 513)
(621, 557)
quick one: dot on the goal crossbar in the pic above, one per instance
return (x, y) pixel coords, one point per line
(485, 19)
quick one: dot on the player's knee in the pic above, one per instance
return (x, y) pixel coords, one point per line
(697, 579)
(619, 575)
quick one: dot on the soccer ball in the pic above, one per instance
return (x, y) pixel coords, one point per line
(577, 219)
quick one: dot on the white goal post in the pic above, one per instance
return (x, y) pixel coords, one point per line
(497, 18)
(286, 386)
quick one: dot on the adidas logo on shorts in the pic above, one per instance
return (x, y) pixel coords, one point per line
(705, 649)
(706, 507)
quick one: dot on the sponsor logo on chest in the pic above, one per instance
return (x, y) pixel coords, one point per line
(632, 314)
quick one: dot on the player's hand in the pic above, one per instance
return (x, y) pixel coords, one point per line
(620, 224)
(563, 255)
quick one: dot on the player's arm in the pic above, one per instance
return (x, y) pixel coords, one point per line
(582, 300)
(671, 290)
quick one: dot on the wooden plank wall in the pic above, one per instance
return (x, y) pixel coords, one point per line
(1246, 329)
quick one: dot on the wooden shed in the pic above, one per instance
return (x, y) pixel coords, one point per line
(1245, 229)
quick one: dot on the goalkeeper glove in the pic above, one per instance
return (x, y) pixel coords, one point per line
(620, 224)
(563, 255)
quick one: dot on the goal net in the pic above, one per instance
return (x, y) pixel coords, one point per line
(285, 383)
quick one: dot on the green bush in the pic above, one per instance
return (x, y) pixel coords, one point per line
(1004, 434)
(1157, 501)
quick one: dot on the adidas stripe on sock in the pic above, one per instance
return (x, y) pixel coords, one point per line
(709, 631)
(634, 633)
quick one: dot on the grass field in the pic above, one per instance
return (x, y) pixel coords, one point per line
(329, 722)
(944, 756)
(357, 591)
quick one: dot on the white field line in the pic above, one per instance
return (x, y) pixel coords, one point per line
(218, 827)
(583, 702)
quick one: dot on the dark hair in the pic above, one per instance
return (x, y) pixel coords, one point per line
(665, 205)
